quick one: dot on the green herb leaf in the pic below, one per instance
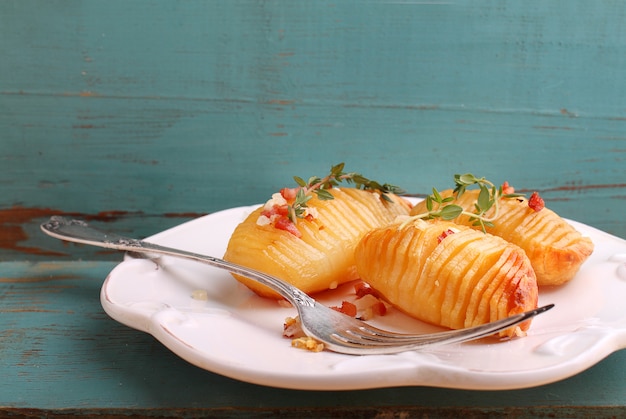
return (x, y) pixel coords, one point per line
(484, 198)
(437, 196)
(445, 208)
(450, 212)
(324, 195)
(299, 181)
(320, 187)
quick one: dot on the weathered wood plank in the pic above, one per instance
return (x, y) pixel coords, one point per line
(536, 56)
(151, 109)
(158, 182)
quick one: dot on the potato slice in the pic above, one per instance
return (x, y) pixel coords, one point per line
(448, 275)
(323, 256)
(556, 250)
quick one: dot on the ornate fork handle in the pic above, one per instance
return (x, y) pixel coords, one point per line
(80, 232)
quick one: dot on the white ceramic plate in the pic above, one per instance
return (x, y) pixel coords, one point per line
(237, 334)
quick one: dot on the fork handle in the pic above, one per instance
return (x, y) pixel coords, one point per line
(78, 231)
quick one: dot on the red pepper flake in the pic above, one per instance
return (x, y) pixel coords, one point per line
(507, 189)
(346, 308)
(443, 235)
(535, 202)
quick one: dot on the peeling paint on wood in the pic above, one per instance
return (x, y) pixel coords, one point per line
(17, 225)
(12, 221)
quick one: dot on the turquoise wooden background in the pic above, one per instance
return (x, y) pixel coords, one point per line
(144, 114)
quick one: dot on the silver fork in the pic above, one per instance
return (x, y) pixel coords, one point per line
(337, 331)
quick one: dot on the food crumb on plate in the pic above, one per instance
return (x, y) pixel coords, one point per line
(200, 295)
(307, 343)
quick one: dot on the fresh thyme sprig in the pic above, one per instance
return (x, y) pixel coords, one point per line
(439, 207)
(320, 186)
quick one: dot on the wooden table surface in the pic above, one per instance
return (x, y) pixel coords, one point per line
(62, 355)
(138, 116)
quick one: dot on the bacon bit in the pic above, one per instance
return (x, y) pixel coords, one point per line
(362, 289)
(445, 234)
(281, 210)
(373, 307)
(379, 309)
(284, 223)
(346, 308)
(289, 193)
(535, 202)
(507, 189)
(276, 212)
(370, 306)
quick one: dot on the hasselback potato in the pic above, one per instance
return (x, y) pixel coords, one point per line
(319, 254)
(556, 250)
(447, 274)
